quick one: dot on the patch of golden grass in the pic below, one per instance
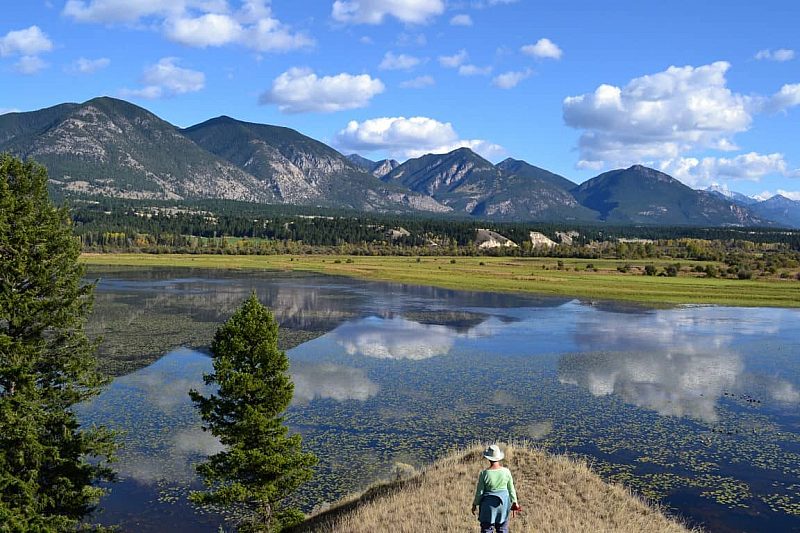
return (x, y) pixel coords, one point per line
(558, 495)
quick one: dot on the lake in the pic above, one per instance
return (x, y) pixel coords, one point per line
(695, 407)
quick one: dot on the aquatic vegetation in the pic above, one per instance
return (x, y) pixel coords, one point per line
(694, 408)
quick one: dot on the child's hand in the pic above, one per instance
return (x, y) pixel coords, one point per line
(474, 509)
(515, 509)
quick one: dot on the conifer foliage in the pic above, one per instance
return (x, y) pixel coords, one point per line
(261, 464)
(47, 364)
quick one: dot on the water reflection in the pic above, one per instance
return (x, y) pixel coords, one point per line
(357, 393)
(677, 363)
(400, 338)
(672, 384)
(325, 380)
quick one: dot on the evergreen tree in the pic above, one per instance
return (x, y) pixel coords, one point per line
(47, 364)
(262, 464)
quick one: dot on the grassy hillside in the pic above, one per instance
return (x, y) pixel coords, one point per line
(499, 274)
(557, 494)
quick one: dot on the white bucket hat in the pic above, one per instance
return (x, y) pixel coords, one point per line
(494, 453)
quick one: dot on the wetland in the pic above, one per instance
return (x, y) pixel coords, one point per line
(694, 407)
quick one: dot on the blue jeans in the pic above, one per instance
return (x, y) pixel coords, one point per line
(486, 527)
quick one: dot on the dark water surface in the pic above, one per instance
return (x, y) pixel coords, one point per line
(695, 407)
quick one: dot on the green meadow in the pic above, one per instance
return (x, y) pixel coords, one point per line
(545, 276)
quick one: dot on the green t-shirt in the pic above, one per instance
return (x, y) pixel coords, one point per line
(492, 480)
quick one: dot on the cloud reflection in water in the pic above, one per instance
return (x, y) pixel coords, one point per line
(677, 363)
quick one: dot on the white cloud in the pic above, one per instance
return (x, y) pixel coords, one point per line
(455, 60)
(375, 11)
(210, 29)
(511, 79)
(780, 55)
(660, 116)
(543, 48)
(420, 82)
(663, 116)
(474, 70)
(461, 20)
(788, 96)
(198, 23)
(392, 61)
(28, 42)
(113, 11)
(29, 65)
(300, 90)
(88, 66)
(165, 79)
(408, 137)
(702, 172)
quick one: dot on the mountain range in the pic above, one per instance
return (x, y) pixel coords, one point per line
(110, 147)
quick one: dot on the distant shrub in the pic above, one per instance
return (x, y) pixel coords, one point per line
(482, 263)
(744, 274)
(711, 271)
(452, 261)
(349, 260)
(671, 270)
(337, 261)
(650, 270)
(590, 267)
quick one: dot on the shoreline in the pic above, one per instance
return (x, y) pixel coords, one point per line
(536, 276)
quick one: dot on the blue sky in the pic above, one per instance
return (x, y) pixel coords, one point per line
(706, 91)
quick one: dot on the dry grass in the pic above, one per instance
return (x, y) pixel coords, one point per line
(558, 494)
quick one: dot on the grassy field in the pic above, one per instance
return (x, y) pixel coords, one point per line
(557, 495)
(526, 275)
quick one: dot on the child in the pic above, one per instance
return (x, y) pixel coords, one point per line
(494, 493)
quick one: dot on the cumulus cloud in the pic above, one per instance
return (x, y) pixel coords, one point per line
(30, 65)
(474, 70)
(263, 33)
(420, 82)
(780, 55)
(300, 90)
(511, 79)
(408, 137)
(376, 11)
(661, 117)
(788, 96)
(455, 60)
(461, 20)
(750, 166)
(198, 23)
(543, 49)
(165, 79)
(88, 66)
(28, 42)
(393, 61)
(114, 11)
